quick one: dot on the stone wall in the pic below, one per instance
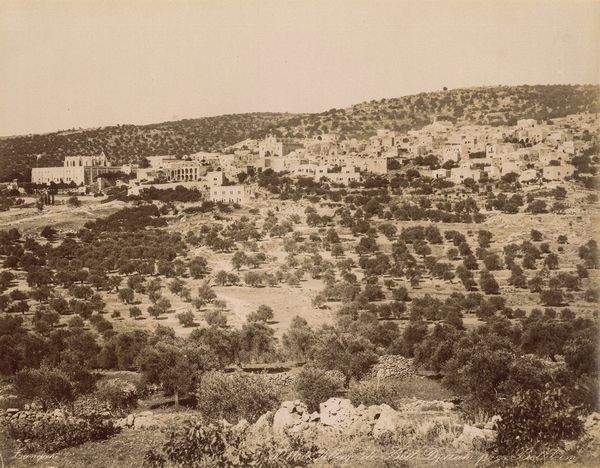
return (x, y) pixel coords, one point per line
(393, 365)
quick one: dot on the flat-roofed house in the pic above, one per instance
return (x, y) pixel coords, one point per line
(228, 194)
(493, 172)
(344, 176)
(528, 175)
(440, 173)
(557, 172)
(460, 174)
(523, 124)
(453, 152)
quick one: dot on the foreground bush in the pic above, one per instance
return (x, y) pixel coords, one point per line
(199, 445)
(372, 393)
(45, 385)
(117, 393)
(235, 396)
(45, 432)
(536, 420)
(315, 386)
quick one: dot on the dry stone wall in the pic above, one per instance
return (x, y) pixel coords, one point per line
(392, 365)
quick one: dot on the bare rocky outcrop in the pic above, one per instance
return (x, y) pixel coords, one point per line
(289, 416)
(337, 413)
(264, 425)
(388, 421)
(339, 416)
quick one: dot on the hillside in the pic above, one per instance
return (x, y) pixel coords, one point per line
(502, 105)
(128, 143)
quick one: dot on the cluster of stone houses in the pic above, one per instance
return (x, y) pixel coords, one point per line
(533, 151)
(328, 157)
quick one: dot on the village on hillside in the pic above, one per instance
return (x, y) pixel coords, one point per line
(536, 152)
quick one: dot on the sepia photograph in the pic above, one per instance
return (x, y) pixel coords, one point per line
(299, 233)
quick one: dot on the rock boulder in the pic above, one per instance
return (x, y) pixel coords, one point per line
(289, 414)
(337, 413)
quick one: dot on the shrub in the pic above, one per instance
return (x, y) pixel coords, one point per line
(350, 354)
(100, 323)
(372, 393)
(198, 267)
(55, 433)
(126, 295)
(536, 235)
(215, 318)
(199, 444)
(315, 386)
(235, 396)
(488, 283)
(581, 353)
(135, 312)
(74, 202)
(186, 318)
(589, 254)
(552, 297)
(551, 261)
(46, 385)
(118, 393)
(492, 262)
(263, 314)
(48, 232)
(591, 295)
(76, 322)
(535, 420)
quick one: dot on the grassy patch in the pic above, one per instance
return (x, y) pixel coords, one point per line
(124, 449)
(418, 387)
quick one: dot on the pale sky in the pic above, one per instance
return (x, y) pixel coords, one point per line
(86, 63)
